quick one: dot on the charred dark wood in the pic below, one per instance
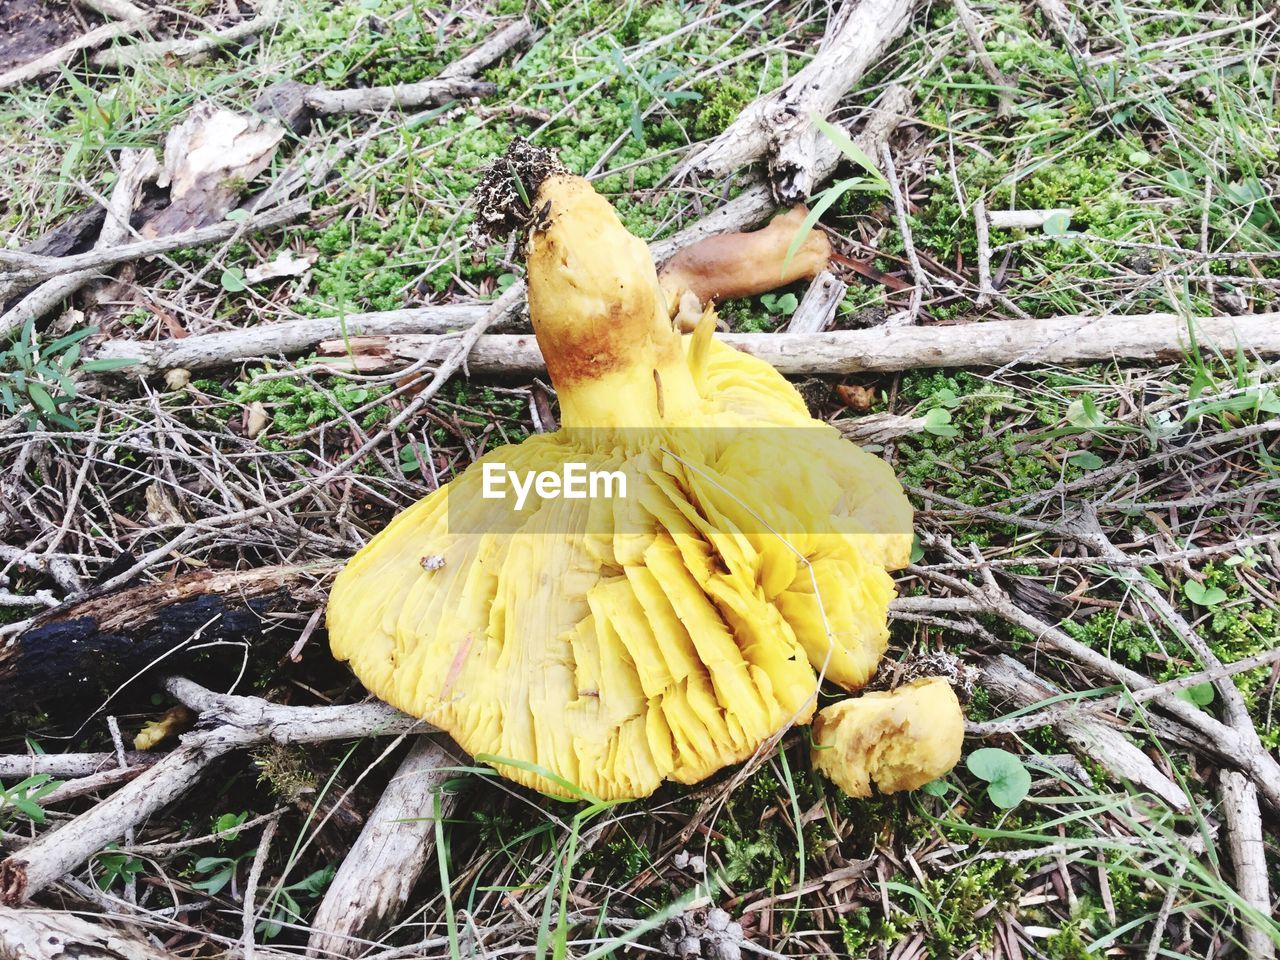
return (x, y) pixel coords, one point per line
(90, 647)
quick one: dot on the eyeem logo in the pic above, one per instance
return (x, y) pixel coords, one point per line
(573, 482)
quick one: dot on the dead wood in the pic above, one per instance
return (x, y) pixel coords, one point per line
(67, 765)
(818, 306)
(969, 20)
(1065, 340)
(295, 336)
(1089, 736)
(193, 49)
(398, 842)
(226, 723)
(56, 935)
(780, 126)
(85, 649)
(455, 81)
(1026, 219)
(1248, 852)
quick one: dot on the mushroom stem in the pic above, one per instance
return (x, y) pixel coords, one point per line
(732, 265)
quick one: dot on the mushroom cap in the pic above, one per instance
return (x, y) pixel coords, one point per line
(899, 739)
(600, 647)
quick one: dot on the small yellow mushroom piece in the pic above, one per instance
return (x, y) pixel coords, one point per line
(898, 740)
(176, 720)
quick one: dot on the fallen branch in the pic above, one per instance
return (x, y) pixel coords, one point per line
(57, 935)
(456, 80)
(207, 350)
(19, 267)
(780, 127)
(1248, 852)
(88, 647)
(136, 168)
(193, 49)
(226, 723)
(64, 766)
(1067, 340)
(1063, 21)
(1088, 736)
(397, 843)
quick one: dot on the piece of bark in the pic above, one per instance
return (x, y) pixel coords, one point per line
(398, 842)
(137, 167)
(1090, 737)
(1248, 851)
(454, 82)
(227, 723)
(879, 427)
(819, 304)
(197, 48)
(779, 126)
(33, 934)
(1064, 340)
(208, 160)
(981, 224)
(81, 650)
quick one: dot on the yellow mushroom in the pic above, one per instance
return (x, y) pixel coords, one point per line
(898, 740)
(605, 646)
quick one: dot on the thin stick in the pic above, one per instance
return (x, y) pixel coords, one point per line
(969, 20)
(980, 226)
(248, 914)
(919, 280)
(456, 80)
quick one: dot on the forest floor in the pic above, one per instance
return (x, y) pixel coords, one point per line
(1091, 522)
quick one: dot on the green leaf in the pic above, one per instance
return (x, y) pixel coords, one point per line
(237, 215)
(113, 363)
(917, 549)
(1086, 460)
(947, 397)
(825, 200)
(1201, 694)
(787, 304)
(1084, 412)
(233, 280)
(1056, 225)
(40, 397)
(938, 422)
(1203, 596)
(935, 788)
(1008, 781)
